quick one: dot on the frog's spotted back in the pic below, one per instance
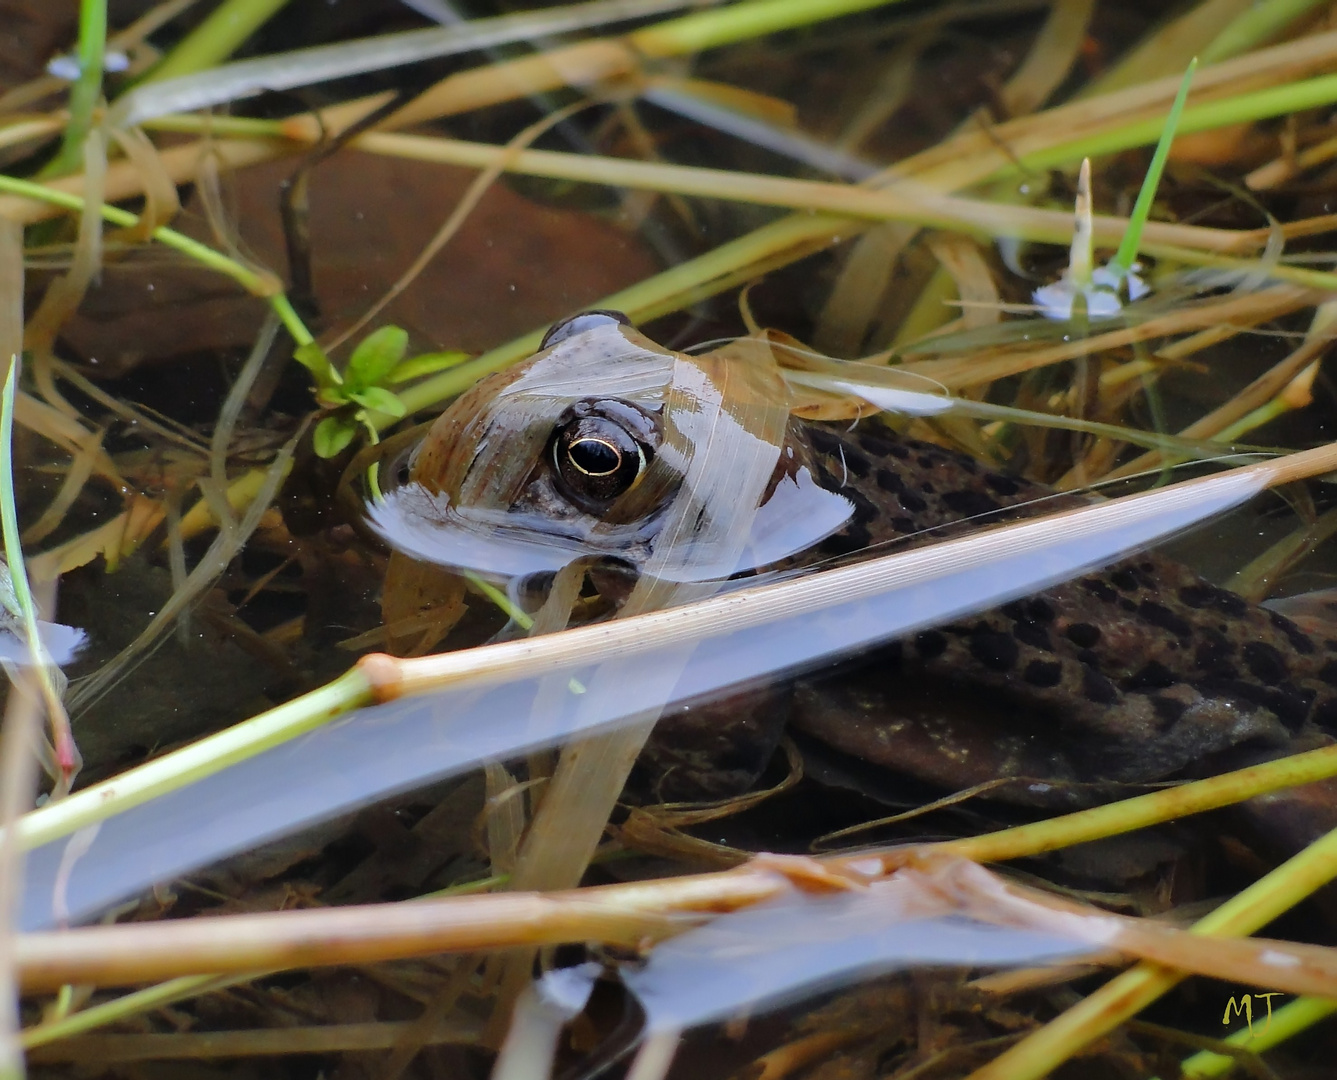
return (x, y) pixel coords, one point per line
(1161, 667)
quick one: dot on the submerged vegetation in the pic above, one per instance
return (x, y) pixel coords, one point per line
(250, 250)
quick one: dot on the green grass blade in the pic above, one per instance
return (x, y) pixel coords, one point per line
(9, 521)
(1126, 255)
(87, 88)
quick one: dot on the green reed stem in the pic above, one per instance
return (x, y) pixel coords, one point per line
(1127, 994)
(127, 1005)
(1259, 105)
(196, 761)
(217, 38)
(9, 520)
(1285, 1023)
(86, 90)
(731, 23)
(248, 279)
(1257, 24)
(1123, 260)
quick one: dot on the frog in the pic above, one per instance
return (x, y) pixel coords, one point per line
(610, 459)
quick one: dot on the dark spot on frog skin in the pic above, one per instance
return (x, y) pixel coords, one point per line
(1128, 605)
(890, 481)
(1265, 662)
(855, 462)
(875, 444)
(1034, 635)
(1099, 590)
(1153, 676)
(1325, 716)
(904, 525)
(1293, 704)
(925, 462)
(1043, 673)
(1083, 635)
(1328, 673)
(855, 538)
(912, 502)
(969, 503)
(1299, 640)
(927, 488)
(825, 442)
(930, 644)
(1001, 485)
(1161, 616)
(1167, 709)
(1212, 652)
(1039, 611)
(1124, 580)
(899, 452)
(1098, 689)
(1089, 658)
(995, 650)
(1201, 596)
(865, 511)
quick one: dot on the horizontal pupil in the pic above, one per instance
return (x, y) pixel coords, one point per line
(594, 457)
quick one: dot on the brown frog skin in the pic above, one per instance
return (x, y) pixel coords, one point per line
(1138, 673)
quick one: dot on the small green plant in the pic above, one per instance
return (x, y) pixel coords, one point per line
(378, 362)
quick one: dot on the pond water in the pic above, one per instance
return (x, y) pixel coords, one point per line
(703, 439)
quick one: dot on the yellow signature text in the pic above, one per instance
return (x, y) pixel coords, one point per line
(1244, 1007)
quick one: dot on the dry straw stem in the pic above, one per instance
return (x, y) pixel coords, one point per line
(113, 955)
(1247, 310)
(907, 200)
(1263, 389)
(958, 162)
(638, 914)
(263, 1042)
(601, 59)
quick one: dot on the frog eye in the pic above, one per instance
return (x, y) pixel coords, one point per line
(597, 459)
(578, 324)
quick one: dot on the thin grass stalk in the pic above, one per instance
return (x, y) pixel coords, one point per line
(67, 755)
(134, 1003)
(1285, 1023)
(216, 38)
(320, 1039)
(1123, 260)
(87, 88)
(20, 737)
(604, 58)
(1259, 23)
(463, 925)
(18, 782)
(261, 285)
(1127, 994)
